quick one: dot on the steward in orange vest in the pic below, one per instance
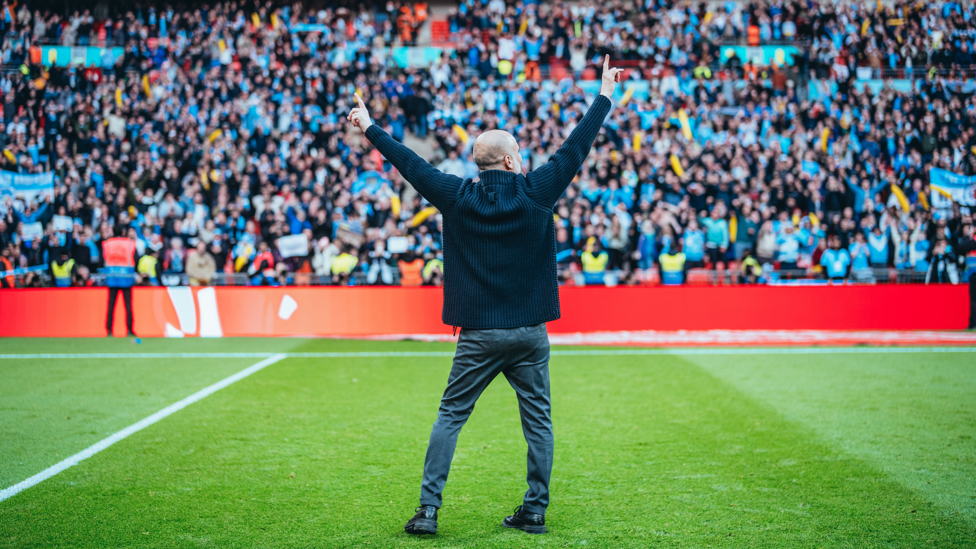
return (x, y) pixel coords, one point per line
(120, 262)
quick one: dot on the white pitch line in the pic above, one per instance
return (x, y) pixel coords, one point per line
(136, 427)
(137, 355)
(556, 352)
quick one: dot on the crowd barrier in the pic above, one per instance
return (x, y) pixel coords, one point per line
(352, 312)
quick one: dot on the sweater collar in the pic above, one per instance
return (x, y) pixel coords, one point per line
(497, 177)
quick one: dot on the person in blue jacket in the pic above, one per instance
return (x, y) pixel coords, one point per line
(862, 190)
(694, 245)
(859, 254)
(716, 235)
(878, 244)
(835, 260)
(788, 246)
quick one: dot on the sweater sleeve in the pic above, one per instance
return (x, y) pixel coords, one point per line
(439, 188)
(548, 183)
(966, 247)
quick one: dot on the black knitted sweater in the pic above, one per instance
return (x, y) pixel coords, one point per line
(499, 233)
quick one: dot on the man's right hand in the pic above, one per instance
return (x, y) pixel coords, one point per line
(610, 78)
(359, 116)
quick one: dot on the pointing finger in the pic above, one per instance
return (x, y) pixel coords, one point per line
(606, 62)
(360, 99)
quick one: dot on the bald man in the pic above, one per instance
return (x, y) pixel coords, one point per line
(500, 288)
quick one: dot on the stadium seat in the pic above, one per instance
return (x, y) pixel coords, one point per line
(648, 277)
(700, 277)
(440, 31)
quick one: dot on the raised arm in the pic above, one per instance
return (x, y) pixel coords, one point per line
(439, 188)
(548, 183)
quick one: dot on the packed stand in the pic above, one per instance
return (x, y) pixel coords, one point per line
(218, 143)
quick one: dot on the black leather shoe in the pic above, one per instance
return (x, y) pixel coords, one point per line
(424, 522)
(525, 521)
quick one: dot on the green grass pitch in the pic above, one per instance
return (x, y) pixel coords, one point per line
(721, 450)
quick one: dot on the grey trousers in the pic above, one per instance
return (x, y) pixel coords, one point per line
(522, 355)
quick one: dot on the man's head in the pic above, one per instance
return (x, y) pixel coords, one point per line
(497, 150)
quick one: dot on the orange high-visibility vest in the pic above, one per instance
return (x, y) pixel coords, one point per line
(753, 35)
(119, 252)
(420, 9)
(6, 265)
(410, 273)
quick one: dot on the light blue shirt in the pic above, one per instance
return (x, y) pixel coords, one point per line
(835, 262)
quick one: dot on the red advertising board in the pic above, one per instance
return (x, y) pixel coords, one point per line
(356, 312)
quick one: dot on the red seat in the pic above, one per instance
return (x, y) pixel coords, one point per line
(699, 277)
(440, 31)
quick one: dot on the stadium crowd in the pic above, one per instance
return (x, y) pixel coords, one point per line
(220, 135)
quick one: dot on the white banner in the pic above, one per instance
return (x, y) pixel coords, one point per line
(63, 223)
(30, 231)
(396, 244)
(295, 245)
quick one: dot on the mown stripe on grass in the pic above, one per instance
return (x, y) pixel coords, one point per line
(557, 352)
(136, 427)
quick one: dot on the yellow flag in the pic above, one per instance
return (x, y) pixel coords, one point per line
(823, 139)
(523, 26)
(814, 220)
(118, 97)
(274, 20)
(685, 125)
(902, 199)
(221, 45)
(676, 166)
(923, 200)
(796, 220)
(422, 215)
(461, 133)
(864, 27)
(215, 135)
(145, 85)
(613, 156)
(395, 205)
(708, 17)
(10, 156)
(255, 19)
(628, 93)
(733, 228)
(638, 138)
(973, 149)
